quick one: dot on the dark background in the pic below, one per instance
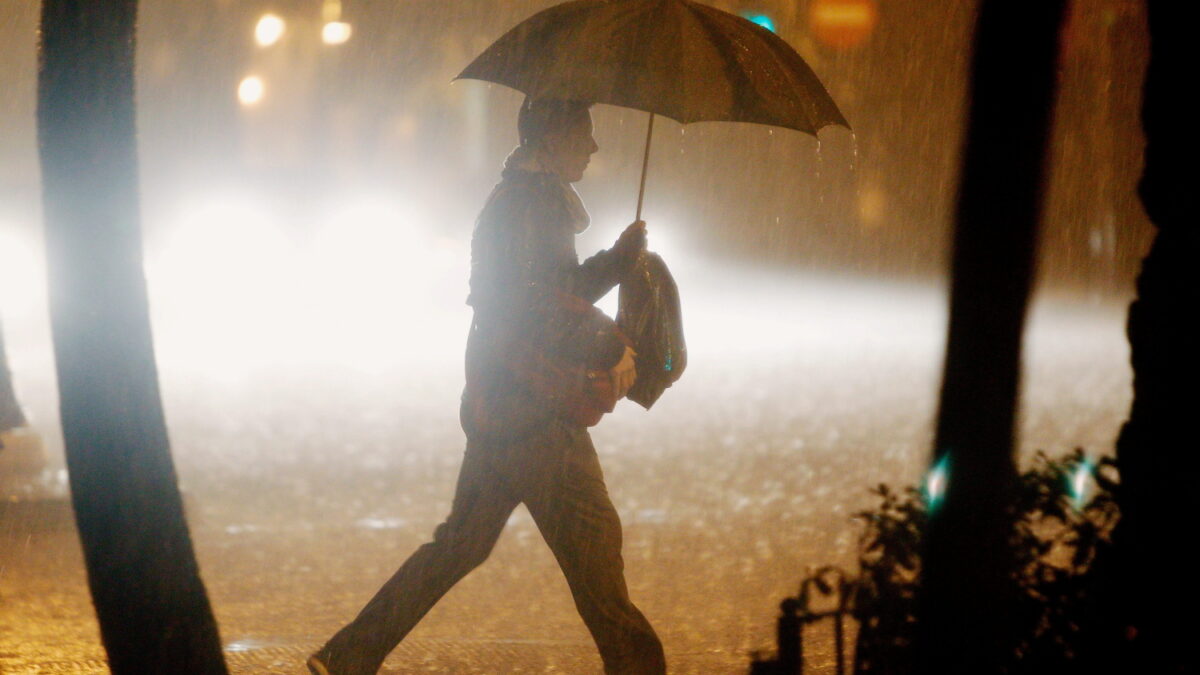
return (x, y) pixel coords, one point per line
(379, 110)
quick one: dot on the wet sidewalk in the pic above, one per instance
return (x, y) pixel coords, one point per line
(282, 581)
(305, 495)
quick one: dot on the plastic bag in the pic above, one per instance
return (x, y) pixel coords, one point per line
(649, 314)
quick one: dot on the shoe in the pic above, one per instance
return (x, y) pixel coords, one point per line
(316, 666)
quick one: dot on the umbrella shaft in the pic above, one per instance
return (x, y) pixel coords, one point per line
(645, 163)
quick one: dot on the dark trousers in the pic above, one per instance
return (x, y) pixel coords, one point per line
(556, 474)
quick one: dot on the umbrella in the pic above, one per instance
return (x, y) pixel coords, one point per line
(676, 58)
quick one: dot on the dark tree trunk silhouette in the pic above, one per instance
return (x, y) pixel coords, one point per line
(10, 411)
(967, 593)
(153, 611)
(1158, 452)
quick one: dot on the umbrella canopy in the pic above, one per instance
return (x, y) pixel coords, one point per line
(675, 58)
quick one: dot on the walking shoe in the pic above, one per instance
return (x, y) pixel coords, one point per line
(316, 666)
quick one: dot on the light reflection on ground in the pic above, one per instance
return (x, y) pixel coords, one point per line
(308, 485)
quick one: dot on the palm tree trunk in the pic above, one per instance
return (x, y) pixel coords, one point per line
(153, 611)
(967, 594)
(1158, 452)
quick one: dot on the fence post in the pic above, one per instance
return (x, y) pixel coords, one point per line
(791, 651)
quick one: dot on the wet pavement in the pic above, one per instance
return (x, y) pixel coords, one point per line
(306, 491)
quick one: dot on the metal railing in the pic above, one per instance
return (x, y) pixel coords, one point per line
(797, 612)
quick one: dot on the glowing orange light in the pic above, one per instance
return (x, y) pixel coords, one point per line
(842, 24)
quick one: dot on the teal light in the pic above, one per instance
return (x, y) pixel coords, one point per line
(935, 482)
(1077, 482)
(762, 20)
(667, 365)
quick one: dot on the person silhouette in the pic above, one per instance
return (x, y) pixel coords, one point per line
(11, 415)
(22, 453)
(542, 364)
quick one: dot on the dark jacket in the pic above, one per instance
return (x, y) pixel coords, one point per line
(535, 334)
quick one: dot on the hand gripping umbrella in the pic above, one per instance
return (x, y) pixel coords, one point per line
(675, 58)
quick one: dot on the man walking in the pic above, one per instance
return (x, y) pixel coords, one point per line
(542, 365)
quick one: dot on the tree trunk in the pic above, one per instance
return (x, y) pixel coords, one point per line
(1158, 453)
(966, 604)
(153, 611)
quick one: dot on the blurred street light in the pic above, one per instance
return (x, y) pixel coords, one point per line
(268, 30)
(250, 90)
(335, 33)
(842, 24)
(331, 10)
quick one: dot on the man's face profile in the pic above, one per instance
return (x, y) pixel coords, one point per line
(572, 146)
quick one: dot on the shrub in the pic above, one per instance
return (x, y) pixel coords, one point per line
(1063, 515)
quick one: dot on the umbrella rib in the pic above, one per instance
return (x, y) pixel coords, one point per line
(794, 86)
(555, 25)
(739, 81)
(798, 71)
